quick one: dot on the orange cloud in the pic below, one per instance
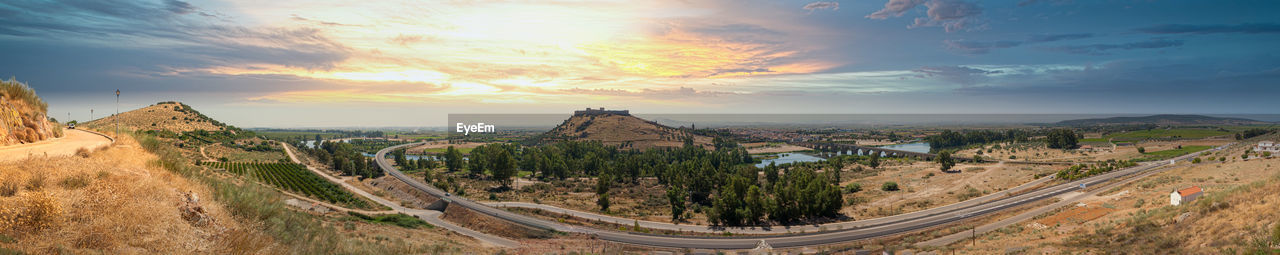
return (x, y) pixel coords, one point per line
(681, 54)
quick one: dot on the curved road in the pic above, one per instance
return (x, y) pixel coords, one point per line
(430, 216)
(72, 140)
(777, 229)
(869, 229)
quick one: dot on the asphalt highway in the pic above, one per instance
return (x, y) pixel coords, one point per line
(873, 228)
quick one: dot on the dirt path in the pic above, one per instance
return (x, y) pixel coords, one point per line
(206, 156)
(66, 145)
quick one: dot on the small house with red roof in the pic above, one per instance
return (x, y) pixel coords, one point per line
(1183, 196)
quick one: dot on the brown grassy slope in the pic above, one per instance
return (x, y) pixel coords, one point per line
(23, 115)
(112, 200)
(625, 131)
(1238, 208)
(170, 116)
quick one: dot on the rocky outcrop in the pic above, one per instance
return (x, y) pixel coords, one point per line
(23, 115)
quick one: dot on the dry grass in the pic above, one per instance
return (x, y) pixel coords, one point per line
(162, 116)
(1237, 214)
(16, 90)
(82, 152)
(113, 200)
(488, 224)
(628, 132)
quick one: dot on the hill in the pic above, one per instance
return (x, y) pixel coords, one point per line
(621, 129)
(1163, 119)
(24, 115)
(171, 116)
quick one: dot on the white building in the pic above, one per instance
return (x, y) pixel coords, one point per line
(1267, 146)
(1186, 195)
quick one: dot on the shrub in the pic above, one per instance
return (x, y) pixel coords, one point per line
(75, 181)
(8, 188)
(970, 192)
(889, 186)
(38, 211)
(854, 188)
(35, 183)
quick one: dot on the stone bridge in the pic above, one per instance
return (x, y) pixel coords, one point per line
(868, 150)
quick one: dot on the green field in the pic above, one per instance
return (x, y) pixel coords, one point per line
(1165, 133)
(1093, 140)
(1168, 154)
(295, 178)
(294, 135)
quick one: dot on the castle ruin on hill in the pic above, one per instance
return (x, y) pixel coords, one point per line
(601, 111)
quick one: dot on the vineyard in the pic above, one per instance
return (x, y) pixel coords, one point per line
(292, 177)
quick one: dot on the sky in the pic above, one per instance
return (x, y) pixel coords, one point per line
(410, 63)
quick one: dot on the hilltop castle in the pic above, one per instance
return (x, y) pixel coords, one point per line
(601, 111)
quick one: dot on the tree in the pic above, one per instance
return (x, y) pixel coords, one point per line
(837, 164)
(1142, 150)
(603, 202)
(676, 195)
(754, 204)
(603, 183)
(874, 161)
(771, 172)
(945, 162)
(452, 159)
(1061, 139)
(977, 158)
(476, 163)
(502, 165)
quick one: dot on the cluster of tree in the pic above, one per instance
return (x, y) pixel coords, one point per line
(952, 139)
(402, 160)
(251, 146)
(1252, 132)
(497, 160)
(1079, 171)
(373, 145)
(724, 180)
(799, 193)
(1061, 138)
(343, 157)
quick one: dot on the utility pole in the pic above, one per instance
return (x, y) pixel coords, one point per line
(117, 116)
(974, 235)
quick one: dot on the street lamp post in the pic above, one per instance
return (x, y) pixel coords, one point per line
(117, 116)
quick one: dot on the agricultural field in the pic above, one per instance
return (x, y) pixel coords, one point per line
(294, 178)
(1167, 154)
(1165, 133)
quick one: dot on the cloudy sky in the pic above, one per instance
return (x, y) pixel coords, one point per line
(409, 63)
